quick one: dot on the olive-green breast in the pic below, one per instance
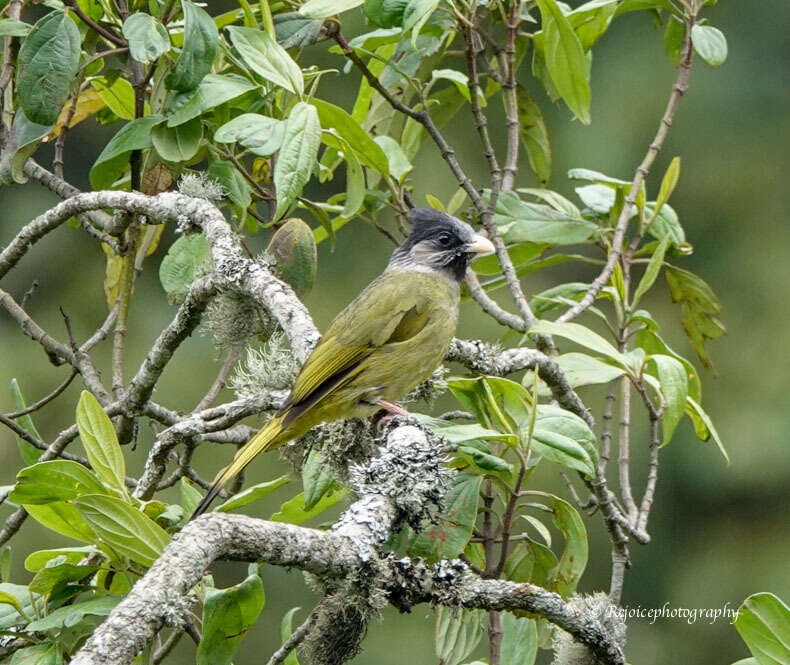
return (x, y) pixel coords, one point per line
(387, 341)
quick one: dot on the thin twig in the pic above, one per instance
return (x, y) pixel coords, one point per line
(679, 87)
(44, 400)
(296, 638)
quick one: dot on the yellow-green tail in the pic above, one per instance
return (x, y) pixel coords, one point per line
(266, 438)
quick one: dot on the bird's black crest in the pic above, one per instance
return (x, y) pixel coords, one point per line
(443, 240)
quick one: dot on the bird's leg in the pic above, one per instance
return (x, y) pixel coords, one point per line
(393, 408)
(388, 411)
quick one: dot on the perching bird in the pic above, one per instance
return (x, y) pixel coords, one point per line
(387, 341)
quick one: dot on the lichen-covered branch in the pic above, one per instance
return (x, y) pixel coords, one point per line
(403, 484)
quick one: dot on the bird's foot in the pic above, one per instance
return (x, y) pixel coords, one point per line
(389, 410)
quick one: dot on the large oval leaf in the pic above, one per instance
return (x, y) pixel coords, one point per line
(147, 37)
(114, 159)
(260, 134)
(267, 58)
(227, 616)
(298, 155)
(48, 62)
(100, 442)
(200, 45)
(122, 528)
(56, 480)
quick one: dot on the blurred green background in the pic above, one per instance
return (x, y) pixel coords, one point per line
(719, 533)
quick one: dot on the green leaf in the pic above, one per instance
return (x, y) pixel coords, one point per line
(555, 296)
(48, 62)
(5, 564)
(458, 632)
(652, 270)
(763, 622)
(294, 252)
(63, 518)
(519, 254)
(40, 654)
(415, 14)
(201, 38)
(485, 461)
(462, 433)
(236, 187)
(367, 150)
(565, 60)
(9, 599)
(122, 528)
(100, 442)
(187, 257)
(398, 164)
(668, 184)
(591, 20)
(298, 155)
(27, 451)
(355, 185)
(113, 160)
(58, 575)
(263, 55)
(317, 478)
(260, 134)
(448, 537)
(700, 308)
(581, 335)
(598, 177)
(496, 403)
(555, 200)
(20, 144)
(673, 39)
(460, 80)
(574, 559)
(10, 27)
(710, 43)
(519, 640)
(68, 616)
(296, 31)
(190, 496)
(147, 37)
(227, 616)
(214, 90)
(39, 560)
(666, 223)
(583, 370)
(293, 511)
(286, 630)
(696, 412)
(520, 221)
(118, 95)
(251, 494)
(9, 614)
(56, 480)
(178, 144)
(326, 8)
(558, 420)
(561, 450)
(674, 387)
(534, 135)
(385, 14)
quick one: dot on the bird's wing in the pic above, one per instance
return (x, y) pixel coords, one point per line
(386, 312)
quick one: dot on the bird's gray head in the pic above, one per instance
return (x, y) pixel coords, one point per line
(439, 242)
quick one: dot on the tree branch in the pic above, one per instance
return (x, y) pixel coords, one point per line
(679, 88)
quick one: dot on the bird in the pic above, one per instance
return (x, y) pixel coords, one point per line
(387, 341)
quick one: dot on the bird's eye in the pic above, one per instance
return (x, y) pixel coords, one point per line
(445, 239)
